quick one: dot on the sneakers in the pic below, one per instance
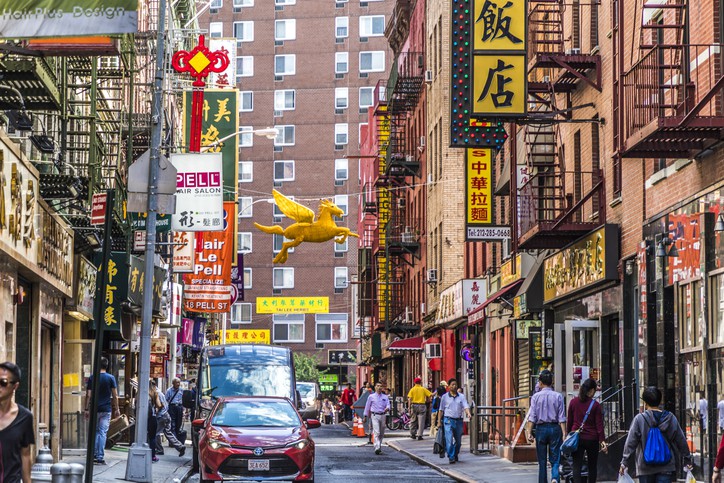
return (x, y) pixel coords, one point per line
(155, 459)
(182, 451)
(99, 462)
(419, 438)
(453, 461)
(378, 451)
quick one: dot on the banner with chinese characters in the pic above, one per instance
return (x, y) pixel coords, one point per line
(292, 305)
(116, 290)
(183, 252)
(220, 121)
(136, 277)
(207, 288)
(227, 78)
(247, 336)
(499, 85)
(86, 287)
(199, 192)
(479, 220)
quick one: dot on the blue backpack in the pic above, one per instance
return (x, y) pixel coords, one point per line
(656, 451)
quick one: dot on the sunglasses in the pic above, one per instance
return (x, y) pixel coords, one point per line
(5, 382)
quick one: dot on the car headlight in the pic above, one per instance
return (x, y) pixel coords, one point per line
(216, 444)
(301, 444)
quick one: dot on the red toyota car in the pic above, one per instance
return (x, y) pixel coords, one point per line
(255, 438)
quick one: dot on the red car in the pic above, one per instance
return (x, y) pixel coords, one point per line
(255, 438)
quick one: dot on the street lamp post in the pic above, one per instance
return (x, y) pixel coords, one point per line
(267, 132)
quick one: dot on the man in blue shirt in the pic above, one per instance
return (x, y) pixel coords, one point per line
(107, 393)
(376, 408)
(174, 395)
(452, 407)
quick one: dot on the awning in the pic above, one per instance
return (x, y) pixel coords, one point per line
(510, 289)
(411, 344)
(502, 186)
(533, 285)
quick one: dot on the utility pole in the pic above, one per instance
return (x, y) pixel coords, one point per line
(138, 465)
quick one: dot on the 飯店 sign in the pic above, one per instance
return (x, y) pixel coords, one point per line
(199, 192)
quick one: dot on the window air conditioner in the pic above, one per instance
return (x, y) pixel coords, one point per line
(428, 76)
(432, 275)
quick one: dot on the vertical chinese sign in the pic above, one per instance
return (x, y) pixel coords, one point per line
(116, 290)
(479, 221)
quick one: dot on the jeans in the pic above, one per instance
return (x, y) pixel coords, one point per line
(453, 430)
(104, 420)
(590, 448)
(548, 439)
(657, 478)
(417, 425)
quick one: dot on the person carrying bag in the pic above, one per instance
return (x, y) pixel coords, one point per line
(586, 430)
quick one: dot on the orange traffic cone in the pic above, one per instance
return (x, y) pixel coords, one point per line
(354, 426)
(361, 429)
(690, 440)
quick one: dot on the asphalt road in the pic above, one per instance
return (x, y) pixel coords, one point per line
(343, 459)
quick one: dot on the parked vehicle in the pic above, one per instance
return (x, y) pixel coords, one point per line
(401, 421)
(255, 438)
(309, 394)
(240, 370)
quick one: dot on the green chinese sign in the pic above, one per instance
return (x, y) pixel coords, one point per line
(220, 120)
(328, 378)
(136, 281)
(115, 292)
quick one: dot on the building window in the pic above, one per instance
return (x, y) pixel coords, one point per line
(244, 242)
(244, 66)
(243, 3)
(371, 25)
(288, 327)
(341, 27)
(285, 2)
(278, 241)
(341, 202)
(285, 29)
(283, 277)
(341, 133)
(283, 171)
(246, 138)
(216, 30)
(285, 64)
(690, 316)
(244, 31)
(247, 278)
(246, 101)
(341, 97)
(285, 136)
(341, 169)
(340, 277)
(246, 171)
(331, 328)
(216, 4)
(245, 208)
(366, 97)
(284, 100)
(241, 313)
(341, 62)
(373, 61)
(342, 247)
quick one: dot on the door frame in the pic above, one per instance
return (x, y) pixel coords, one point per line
(564, 331)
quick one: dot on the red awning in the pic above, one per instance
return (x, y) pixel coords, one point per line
(500, 293)
(411, 344)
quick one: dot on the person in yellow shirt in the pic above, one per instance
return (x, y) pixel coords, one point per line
(417, 400)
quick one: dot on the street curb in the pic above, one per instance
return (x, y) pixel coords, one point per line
(455, 475)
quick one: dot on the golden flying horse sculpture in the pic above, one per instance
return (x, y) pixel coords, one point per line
(306, 227)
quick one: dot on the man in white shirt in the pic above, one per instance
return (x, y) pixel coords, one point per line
(376, 409)
(703, 414)
(452, 408)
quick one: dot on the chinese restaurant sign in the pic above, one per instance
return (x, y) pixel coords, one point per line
(116, 290)
(220, 118)
(56, 18)
(479, 197)
(207, 286)
(460, 299)
(199, 192)
(135, 283)
(591, 260)
(248, 336)
(292, 305)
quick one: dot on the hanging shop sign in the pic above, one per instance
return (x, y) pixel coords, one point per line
(226, 79)
(207, 287)
(183, 252)
(479, 209)
(587, 262)
(138, 221)
(237, 279)
(460, 299)
(343, 357)
(199, 192)
(158, 345)
(187, 332)
(116, 290)
(85, 294)
(522, 327)
(199, 330)
(219, 120)
(136, 283)
(248, 336)
(292, 305)
(59, 18)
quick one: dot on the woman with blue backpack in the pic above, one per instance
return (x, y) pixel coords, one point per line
(654, 437)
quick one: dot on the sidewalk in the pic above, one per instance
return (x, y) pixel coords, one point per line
(169, 469)
(471, 468)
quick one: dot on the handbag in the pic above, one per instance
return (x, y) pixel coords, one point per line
(570, 445)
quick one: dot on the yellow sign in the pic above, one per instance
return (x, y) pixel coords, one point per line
(499, 84)
(292, 305)
(506, 271)
(479, 206)
(499, 25)
(248, 336)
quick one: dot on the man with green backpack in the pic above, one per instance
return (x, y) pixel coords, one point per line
(652, 438)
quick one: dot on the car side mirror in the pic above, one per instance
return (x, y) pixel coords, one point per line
(198, 423)
(312, 423)
(187, 399)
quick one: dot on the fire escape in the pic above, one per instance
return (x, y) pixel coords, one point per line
(669, 103)
(556, 204)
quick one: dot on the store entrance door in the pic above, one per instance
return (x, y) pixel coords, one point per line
(77, 364)
(576, 355)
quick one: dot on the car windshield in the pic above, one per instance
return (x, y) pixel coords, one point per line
(247, 380)
(245, 414)
(306, 389)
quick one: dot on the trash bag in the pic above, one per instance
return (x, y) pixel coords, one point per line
(439, 447)
(625, 478)
(689, 477)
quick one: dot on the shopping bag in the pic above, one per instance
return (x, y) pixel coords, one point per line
(439, 446)
(689, 477)
(625, 478)
(570, 445)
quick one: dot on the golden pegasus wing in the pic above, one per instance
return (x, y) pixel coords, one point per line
(292, 209)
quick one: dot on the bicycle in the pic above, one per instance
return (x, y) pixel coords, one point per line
(401, 421)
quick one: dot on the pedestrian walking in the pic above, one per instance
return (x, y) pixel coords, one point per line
(106, 404)
(348, 398)
(703, 414)
(591, 435)
(152, 425)
(435, 408)
(417, 399)
(653, 435)
(174, 396)
(376, 409)
(453, 406)
(547, 426)
(327, 411)
(17, 432)
(164, 420)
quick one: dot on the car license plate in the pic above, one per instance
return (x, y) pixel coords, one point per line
(258, 465)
